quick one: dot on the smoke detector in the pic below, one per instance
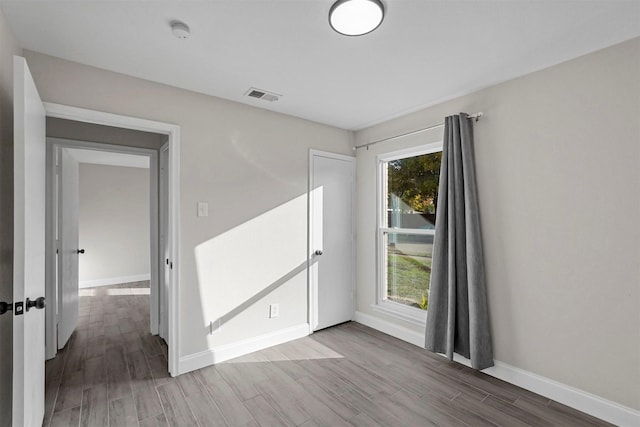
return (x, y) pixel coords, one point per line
(180, 29)
(262, 94)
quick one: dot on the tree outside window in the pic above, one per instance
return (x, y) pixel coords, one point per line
(410, 186)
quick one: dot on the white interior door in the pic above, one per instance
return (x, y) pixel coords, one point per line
(331, 239)
(69, 251)
(28, 249)
(165, 276)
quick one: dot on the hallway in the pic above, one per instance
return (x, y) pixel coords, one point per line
(111, 357)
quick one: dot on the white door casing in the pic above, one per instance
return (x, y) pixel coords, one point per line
(68, 247)
(331, 245)
(165, 276)
(173, 133)
(154, 249)
(55, 146)
(28, 248)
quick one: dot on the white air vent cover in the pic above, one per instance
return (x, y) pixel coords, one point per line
(262, 94)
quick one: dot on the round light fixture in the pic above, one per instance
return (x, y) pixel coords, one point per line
(356, 17)
(180, 29)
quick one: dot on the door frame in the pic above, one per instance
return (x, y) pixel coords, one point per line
(312, 284)
(173, 133)
(163, 229)
(53, 193)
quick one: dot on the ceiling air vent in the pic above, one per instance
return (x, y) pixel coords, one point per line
(262, 94)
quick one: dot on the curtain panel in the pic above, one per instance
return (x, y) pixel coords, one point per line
(458, 316)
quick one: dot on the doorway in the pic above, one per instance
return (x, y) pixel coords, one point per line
(164, 255)
(103, 225)
(331, 243)
(106, 328)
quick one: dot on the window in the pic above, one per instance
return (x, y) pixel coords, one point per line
(408, 192)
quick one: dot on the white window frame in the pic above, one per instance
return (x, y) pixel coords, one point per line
(391, 308)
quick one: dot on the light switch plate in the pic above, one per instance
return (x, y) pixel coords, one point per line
(203, 209)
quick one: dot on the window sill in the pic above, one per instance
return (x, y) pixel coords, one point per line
(402, 312)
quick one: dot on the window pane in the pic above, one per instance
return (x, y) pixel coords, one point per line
(412, 191)
(408, 261)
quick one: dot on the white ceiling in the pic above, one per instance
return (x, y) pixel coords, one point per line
(98, 157)
(424, 52)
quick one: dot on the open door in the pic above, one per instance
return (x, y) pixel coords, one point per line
(68, 251)
(28, 249)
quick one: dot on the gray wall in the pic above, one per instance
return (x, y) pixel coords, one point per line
(113, 223)
(557, 156)
(250, 165)
(8, 48)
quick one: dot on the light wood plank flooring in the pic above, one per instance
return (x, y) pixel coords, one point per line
(113, 373)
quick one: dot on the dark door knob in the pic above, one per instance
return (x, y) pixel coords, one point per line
(318, 252)
(80, 251)
(39, 303)
(4, 307)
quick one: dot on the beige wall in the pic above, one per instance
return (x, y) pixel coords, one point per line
(8, 48)
(249, 164)
(113, 222)
(558, 155)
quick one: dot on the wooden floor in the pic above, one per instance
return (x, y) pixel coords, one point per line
(114, 373)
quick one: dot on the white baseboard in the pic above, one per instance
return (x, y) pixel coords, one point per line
(400, 332)
(578, 399)
(240, 348)
(114, 280)
(586, 402)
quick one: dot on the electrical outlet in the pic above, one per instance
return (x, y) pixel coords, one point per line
(214, 327)
(274, 310)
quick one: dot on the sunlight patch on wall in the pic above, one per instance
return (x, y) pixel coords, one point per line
(240, 267)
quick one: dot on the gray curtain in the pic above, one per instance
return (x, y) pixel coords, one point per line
(458, 318)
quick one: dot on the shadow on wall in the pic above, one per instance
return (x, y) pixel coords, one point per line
(220, 321)
(243, 270)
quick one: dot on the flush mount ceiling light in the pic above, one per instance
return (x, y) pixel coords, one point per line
(356, 17)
